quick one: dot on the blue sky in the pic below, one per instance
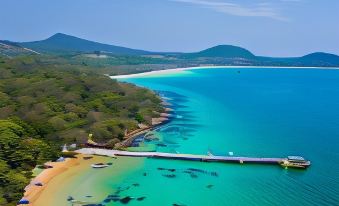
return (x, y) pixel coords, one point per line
(266, 27)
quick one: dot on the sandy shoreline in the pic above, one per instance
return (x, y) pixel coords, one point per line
(177, 70)
(32, 192)
(75, 177)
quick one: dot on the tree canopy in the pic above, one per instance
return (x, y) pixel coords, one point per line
(44, 105)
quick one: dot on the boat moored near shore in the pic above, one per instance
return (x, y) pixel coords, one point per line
(99, 165)
(295, 162)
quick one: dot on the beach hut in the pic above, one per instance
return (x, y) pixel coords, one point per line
(23, 201)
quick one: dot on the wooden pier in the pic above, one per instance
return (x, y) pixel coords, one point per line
(190, 157)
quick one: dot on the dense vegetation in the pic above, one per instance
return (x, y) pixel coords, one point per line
(21, 149)
(44, 104)
(57, 100)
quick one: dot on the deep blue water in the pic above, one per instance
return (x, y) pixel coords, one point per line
(250, 112)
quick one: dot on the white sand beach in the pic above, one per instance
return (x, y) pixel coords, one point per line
(76, 174)
(178, 70)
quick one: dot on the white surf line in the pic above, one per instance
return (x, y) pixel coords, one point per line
(170, 71)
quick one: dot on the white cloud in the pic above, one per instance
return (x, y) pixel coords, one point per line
(235, 9)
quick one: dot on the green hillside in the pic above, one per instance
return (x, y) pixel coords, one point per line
(46, 104)
(61, 43)
(112, 58)
(224, 51)
(320, 58)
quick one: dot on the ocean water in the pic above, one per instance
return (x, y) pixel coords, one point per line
(250, 112)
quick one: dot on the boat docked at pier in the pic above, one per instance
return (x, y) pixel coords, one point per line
(295, 162)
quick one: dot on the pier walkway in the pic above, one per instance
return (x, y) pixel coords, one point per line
(191, 157)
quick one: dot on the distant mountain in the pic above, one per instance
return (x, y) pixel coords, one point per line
(320, 58)
(12, 49)
(224, 51)
(233, 55)
(61, 43)
(218, 55)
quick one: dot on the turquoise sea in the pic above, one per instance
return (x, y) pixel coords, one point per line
(250, 112)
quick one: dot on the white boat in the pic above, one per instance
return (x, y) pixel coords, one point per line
(99, 165)
(296, 162)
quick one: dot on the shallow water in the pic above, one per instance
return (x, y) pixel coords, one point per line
(85, 184)
(250, 112)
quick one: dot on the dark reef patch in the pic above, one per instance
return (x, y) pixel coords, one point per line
(215, 174)
(209, 186)
(169, 176)
(193, 175)
(126, 200)
(161, 145)
(197, 170)
(114, 197)
(141, 198)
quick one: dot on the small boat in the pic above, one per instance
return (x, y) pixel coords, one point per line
(99, 165)
(295, 162)
(38, 184)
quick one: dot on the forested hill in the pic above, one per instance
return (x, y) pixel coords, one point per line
(104, 55)
(61, 43)
(223, 51)
(44, 105)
